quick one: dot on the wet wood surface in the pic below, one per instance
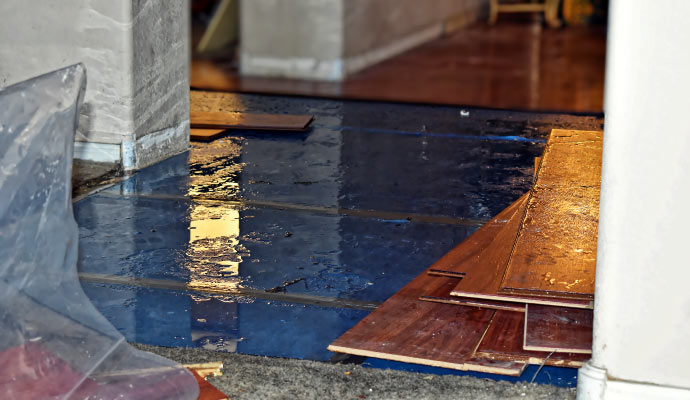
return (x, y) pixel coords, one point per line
(205, 134)
(483, 258)
(555, 251)
(477, 334)
(442, 295)
(443, 335)
(243, 120)
(409, 330)
(558, 329)
(504, 341)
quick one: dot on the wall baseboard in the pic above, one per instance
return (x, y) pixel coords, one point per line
(593, 383)
(147, 150)
(100, 152)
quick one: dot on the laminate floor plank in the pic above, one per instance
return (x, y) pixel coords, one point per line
(242, 120)
(558, 329)
(406, 329)
(483, 258)
(442, 295)
(409, 330)
(554, 254)
(205, 134)
(504, 341)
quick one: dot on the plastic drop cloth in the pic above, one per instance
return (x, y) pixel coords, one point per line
(53, 343)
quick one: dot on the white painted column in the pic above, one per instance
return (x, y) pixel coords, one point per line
(642, 301)
(330, 39)
(136, 53)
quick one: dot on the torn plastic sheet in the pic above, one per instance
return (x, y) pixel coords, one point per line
(53, 343)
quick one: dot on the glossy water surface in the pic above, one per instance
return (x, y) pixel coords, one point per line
(276, 243)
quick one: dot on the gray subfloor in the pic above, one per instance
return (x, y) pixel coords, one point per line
(254, 377)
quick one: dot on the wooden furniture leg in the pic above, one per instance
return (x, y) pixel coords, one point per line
(551, 13)
(493, 12)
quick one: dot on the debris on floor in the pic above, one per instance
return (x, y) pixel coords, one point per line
(207, 391)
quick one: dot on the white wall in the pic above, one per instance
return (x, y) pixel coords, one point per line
(296, 38)
(642, 299)
(330, 39)
(137, 60)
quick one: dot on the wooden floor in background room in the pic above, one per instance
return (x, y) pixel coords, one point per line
(512, 65)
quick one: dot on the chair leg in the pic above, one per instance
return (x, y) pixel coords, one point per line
(551, 13)
(493, 12)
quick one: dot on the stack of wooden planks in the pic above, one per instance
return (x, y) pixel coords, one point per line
(518, 291)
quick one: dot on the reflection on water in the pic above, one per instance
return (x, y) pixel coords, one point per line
(214, 168)
(214, 254)
(214, 251)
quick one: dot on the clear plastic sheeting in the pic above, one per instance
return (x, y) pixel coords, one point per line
(53, 343)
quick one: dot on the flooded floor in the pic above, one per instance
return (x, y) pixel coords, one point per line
(276, 244)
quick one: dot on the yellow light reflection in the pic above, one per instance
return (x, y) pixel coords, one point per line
(214, 247)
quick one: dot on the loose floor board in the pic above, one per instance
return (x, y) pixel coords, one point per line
(408, 330)
(555, 250)
(242, 120)
(558, 329)
(443, 335)
(442, 295)
(504, 340)
(205, 134)
(483, 257)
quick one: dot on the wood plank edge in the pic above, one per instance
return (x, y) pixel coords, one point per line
(546, 293)
(514, 369)
(516, 299)
(394, 357)
(473, 303)
(524, 328)
(557, 349)
(530, 360)
(198, 125)
(444, 273)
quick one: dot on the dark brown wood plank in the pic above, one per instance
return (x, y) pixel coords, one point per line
(442, 295)
(205, 134)
(447, 274)
(483, 258)
(558, 329)
(504, 341)
(242, 120)
(555, 250)
(408, 330)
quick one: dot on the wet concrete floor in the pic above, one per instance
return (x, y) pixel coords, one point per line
(276, 243)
